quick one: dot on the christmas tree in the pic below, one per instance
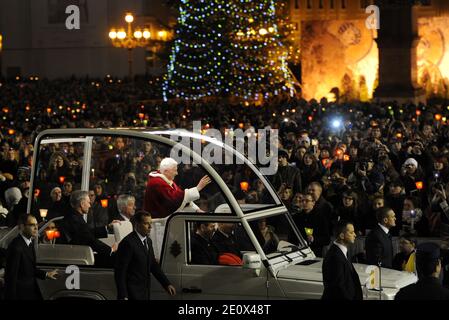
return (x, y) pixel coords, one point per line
(227, 48)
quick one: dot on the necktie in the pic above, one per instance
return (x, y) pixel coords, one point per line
(145, 243)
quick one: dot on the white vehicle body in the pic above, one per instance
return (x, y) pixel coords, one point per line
(291, 272)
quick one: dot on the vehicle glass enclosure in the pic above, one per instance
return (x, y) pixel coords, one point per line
(245, 181)
(274, 230)
(268, 231)
(227, 237)
(106, 166)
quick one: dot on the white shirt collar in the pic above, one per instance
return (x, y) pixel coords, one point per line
(85, 217)
(27, 241)
(141, 237)
(124, 217)
(385, 229)
(343, 248)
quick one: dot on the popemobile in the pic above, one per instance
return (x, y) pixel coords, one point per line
(118, 161)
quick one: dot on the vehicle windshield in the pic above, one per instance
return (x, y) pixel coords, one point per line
(275, 233)
(248, 185)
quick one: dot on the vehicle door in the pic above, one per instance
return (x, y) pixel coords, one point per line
(226, 279)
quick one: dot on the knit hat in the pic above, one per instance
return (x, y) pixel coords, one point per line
(411, 161)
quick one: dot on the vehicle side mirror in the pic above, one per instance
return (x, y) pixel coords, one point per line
(251, 260)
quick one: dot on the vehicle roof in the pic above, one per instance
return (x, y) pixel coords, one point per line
(163, 136)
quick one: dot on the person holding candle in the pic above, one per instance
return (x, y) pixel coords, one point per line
(48, 235)
(164, 197)
(412, 176)
(313, 225)
(21, 272)
(59, 168)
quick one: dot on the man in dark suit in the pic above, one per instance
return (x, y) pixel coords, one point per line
(135, 261)
(378, 245)
(77, 231)
(224, 239)
(341, 281)
(428, 266)
(21, 272)
(126, 207)
(203, 250)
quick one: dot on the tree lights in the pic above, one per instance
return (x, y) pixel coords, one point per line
(227, 48)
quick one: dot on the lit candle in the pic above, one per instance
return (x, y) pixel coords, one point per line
(104, 203)
(244, 186)
(61, 179)
(50, 234)
(309, 231)
(419, 185)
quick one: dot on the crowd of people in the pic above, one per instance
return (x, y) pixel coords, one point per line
(337, 161)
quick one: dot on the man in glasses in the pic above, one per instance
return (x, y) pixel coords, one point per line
(21, 271)
(313, 225)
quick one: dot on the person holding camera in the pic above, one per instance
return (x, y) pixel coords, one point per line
(366, 178)
(439, 210)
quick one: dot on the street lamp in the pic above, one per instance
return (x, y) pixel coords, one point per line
(129, 39)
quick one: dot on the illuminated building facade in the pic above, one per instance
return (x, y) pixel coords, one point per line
(340, 54)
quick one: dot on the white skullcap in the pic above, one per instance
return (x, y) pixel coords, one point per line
(167, 163)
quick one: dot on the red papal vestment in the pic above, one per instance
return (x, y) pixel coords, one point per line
(163, 197)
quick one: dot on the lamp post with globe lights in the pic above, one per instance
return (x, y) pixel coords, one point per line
(130, 39)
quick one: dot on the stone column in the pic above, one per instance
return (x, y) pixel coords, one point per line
(397, 41)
